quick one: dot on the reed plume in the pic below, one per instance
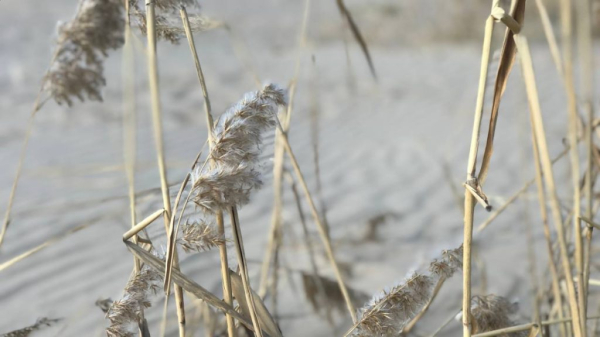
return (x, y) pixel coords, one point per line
(388, 312)
(199, 236)
(27, 331)
(127, 310)
(492, 312)
(237, 138)
(82, 45)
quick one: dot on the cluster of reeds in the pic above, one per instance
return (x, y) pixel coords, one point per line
(568, 267)
(231, 171)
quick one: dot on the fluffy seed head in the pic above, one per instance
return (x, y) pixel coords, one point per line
(492, 312)
(127, 310)
(199, 236)
(236, 143)
(82, 44)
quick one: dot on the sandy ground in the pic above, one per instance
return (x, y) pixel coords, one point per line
(383, 148)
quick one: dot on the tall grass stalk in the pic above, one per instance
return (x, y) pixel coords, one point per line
(567, 32)
(320, 226)
(129, 129)
(548, 175)
(275, 230)
(471, 175)
(226, 281)
(584, 42)
(158, 139)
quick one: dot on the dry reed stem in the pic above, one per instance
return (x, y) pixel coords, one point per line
(143, 224)
(309, 247)
(548, 175)
(566, 25)
(172, 234)
(225, 277)
(267, 322)
(357, 35)
(279, 160)
(584, 41)
(469, 200)
(129, 119)
(550, 36)
(239, 246)
(416, 319)
(544, 215)
(507, 56)
(158, 139)
(516, 196)
(13, 190)
(320, 226)
(526, 326)
(129, 128)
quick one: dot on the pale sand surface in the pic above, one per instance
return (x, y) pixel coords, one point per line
(382, 149)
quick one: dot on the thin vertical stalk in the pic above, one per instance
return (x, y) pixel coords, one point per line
(158, 139)
(11, 198)
(275, 230)
(129, 137)
(226, 280)
(37, 105)
(471, 167)
(544, 215)
(584, 37)
(550, 37)
(129, 121)
(566, 24)
(320, 226)
(548, 175)
(239, 246)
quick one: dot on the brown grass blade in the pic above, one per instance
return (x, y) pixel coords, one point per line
(357, 35)
(267, 322)
(507, 58)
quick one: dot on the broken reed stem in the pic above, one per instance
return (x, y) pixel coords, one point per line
(225, 278)
(515, 196)
(158, 139)
(320, 226)
(471, 167)
(142, 224)
(529, 77)
(566, 25)
(239, 246)
(584, 41)
(275, 229)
